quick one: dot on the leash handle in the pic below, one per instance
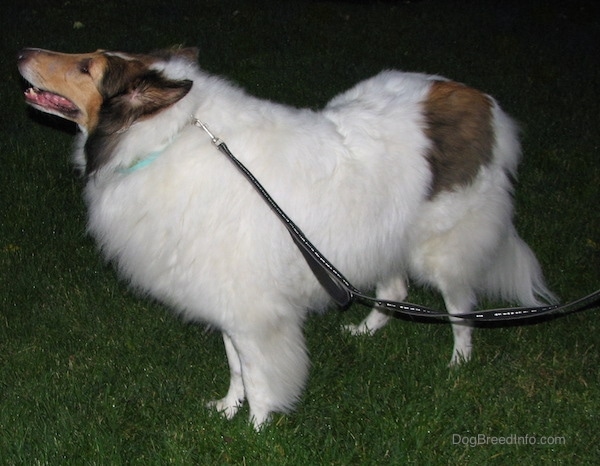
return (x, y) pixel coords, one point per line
(344, 293)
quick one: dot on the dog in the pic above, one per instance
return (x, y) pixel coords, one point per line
(405, 175)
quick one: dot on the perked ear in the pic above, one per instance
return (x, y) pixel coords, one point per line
(145, 95)
(151, 93)
(189, 53)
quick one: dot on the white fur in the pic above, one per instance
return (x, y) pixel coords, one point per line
(190, 231)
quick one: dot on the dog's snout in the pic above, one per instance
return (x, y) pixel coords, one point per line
(27, 53)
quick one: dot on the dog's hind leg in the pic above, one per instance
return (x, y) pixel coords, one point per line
(230, 405)
(460, 301)
(392, 290)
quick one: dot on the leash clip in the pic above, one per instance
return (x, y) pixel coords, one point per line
(214, 139)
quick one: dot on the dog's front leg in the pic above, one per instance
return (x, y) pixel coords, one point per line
(230, 405)
(274, 363)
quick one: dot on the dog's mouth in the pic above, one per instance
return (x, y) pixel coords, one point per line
(50, 102)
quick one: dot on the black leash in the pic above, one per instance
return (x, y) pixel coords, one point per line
(344, 293)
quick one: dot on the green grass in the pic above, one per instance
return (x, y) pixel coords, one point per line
(91, 374)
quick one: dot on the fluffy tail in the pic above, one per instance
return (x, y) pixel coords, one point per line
(517, 276)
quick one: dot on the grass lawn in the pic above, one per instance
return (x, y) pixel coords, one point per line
(91, 374)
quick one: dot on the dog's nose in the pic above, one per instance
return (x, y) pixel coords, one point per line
(25, 54)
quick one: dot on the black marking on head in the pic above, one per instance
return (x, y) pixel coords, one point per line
(131, 92)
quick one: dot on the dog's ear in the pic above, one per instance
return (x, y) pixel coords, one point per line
(189, 53)
(152, 92)
(145, 95)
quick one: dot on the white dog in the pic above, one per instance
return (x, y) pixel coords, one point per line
(403, 175)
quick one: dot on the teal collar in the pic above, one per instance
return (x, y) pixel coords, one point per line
(141, 163)
(152, 156)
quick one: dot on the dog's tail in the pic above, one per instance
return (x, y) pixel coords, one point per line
(516, 276)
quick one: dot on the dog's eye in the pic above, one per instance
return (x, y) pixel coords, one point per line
(84, 66)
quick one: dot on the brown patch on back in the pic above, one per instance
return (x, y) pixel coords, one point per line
(459, 125)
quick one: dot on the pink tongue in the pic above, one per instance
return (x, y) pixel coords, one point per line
(48, 100)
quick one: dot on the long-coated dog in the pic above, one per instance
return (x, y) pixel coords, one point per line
(404, 175)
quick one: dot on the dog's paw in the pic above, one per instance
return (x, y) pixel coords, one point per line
(225, 407)
(356, 330)
(259, 421)
(459, 358)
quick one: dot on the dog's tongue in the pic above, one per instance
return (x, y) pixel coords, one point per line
(48, 100)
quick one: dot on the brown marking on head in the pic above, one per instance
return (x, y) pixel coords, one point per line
(66, 85)
(458, 122)
(77, 86)
(103, 92)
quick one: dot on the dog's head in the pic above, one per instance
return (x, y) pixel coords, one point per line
(115, 89)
